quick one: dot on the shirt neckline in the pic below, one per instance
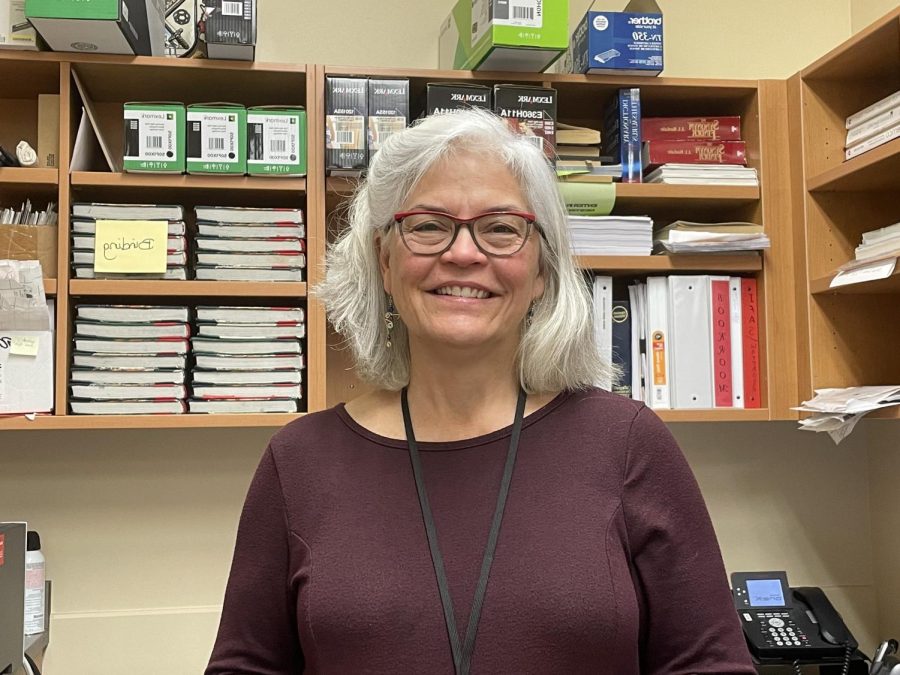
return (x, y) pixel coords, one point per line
(443, 446)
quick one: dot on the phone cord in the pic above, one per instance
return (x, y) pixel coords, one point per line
(848, 652)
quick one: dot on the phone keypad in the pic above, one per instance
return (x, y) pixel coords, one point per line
(781, 631)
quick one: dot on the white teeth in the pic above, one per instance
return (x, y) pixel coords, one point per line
(463, 292)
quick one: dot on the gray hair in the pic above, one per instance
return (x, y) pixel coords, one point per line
(557, 350)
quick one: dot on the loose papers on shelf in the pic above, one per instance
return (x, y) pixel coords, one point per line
(838, 410)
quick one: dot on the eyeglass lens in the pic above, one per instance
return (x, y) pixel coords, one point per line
(499, 233)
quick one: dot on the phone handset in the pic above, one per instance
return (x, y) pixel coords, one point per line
(821, 612)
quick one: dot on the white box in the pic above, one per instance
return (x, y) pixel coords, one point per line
(26, 382)
(15, 30)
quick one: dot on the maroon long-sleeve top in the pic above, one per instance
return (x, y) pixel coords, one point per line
(607, 561)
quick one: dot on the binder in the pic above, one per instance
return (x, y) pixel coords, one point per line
(720, 326)
(750, 329)
(691, 345)
(638, 331)
(737, 350)
(603, 323)
(659, 354)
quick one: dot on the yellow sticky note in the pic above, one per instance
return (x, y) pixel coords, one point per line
(131, 246)
(588, 199)
(24, 345)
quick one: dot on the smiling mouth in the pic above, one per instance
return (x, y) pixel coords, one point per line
(463, 292)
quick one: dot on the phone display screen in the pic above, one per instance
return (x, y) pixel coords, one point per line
(765, 593)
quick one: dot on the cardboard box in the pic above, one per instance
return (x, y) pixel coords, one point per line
(48, 130)
(346, 110)
(388, 111)
(216, 138)
(530, 111)
(519, 35)
(104, 26)
(230, 29)
(154, 137)
(445, 97)
(15, 30)
(31, 242)
(276, 141)
(618, 43)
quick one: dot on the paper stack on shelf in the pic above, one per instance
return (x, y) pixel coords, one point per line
(882, 243)
(873, 126)
(574, 142)
(250, 244)
(838, 410)
(247, 360)
(703, 174)
(611, 235)
(686, 237)
(129, 359)
(875, 258)
(84, 227)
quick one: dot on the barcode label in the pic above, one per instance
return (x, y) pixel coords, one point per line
(273, 139)
(345, 138)
(536, 141)
(216, 144)
(278, 145)
(154, 142)
(523, 13)
(233, 8)
(150, 136)
(527, 13)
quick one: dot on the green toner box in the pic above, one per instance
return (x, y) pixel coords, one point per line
(217, 138)
(276, 141)
(154, 137)
(519, 35)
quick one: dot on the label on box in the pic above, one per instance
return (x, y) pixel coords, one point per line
(273, 139)
(218, 134)
(519, 13)
(618, 42)
(150, 135)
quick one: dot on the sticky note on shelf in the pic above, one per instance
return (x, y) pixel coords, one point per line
(588, 199)
(137, 246)
(24, 345)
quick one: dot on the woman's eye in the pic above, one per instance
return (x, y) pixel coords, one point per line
(430, 226)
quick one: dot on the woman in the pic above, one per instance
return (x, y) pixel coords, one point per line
(379, 536)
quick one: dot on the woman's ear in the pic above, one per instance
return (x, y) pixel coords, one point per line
(382, 250)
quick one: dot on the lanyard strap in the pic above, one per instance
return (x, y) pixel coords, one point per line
(462, 656)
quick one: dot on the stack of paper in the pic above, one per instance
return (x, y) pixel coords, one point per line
(611, 235)
(85, 217)
(883, 243)
(250, 244)
(248, 359)
(703, 174)
(687, 237)
(838, 410)
(26, 214)
(129, 359)
(873, 126)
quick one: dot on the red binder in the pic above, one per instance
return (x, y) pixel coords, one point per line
(750, 325)
(723, 392)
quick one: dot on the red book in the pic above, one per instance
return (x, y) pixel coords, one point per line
(691, 128)
(750, 339)
(694, 152)
(723, 393)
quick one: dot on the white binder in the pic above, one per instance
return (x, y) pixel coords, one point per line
(659, 352)
(603, 296)
(689, 318)
(635, 293)
(737, 350)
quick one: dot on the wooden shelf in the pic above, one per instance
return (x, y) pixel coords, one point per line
(892, 413)
(651, 264)
(877, 169)
(50, 286)
(186, 182)
(165, 288)
(889, 285)
(29, 176)
(186, 421)
(715, 415)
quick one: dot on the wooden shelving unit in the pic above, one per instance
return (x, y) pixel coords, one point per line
(733, 263)
(186, 421)
(848, 334)
(186, 182)
(186, 289)
(29, 176)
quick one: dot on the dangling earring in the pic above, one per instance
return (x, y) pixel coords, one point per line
(389, 321)
(529, 317)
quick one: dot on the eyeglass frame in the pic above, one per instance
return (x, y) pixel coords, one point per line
(530, 221)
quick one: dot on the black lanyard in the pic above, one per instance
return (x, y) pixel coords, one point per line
(462, 656)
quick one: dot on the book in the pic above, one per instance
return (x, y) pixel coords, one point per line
(131, 313)
(173, 258)
(169, 407)
(229, 259)
(171, 273)
(239, 391)
(102, 211)
(246, 347)
(655, 153)
(718, 128)
(232, 314)
(238, 214)
(885, 136)
(603, 291)
(101, 392)
(876, 125)
(132, 346)
(874, 236)
(867, 113)
(578, 152)
(232, 377)
(174, 243)
(570, 134)
(622, 138)
(127, 361)
(156, 329)
(251, 331)
(621, 346)
(243, 406)
(264, 362)
(251, 230)
(123, 376)
(175, 227)
(218, 273)
(270, 245)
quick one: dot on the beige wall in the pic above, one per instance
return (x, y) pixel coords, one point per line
(138, 526)
(864, 12)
